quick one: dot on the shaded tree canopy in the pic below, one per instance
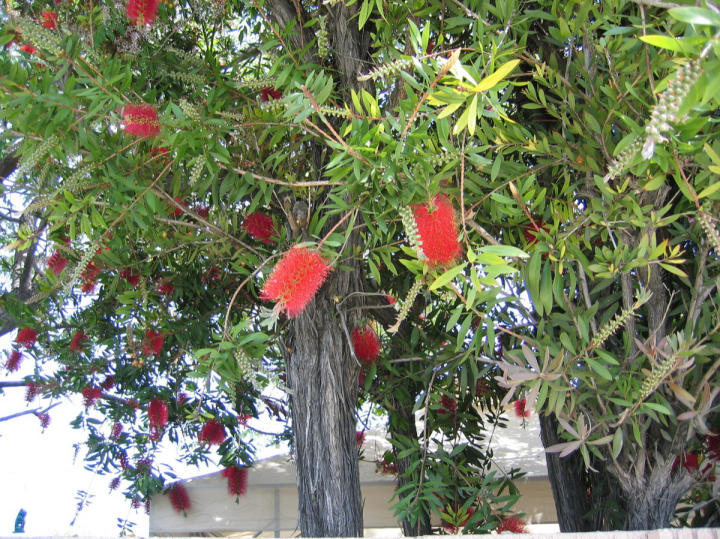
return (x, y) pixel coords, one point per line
(431, 209)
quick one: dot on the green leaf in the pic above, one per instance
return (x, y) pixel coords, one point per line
(709, 190)
(446, 277)
(617, 443)
(695, 15)
(664, 42)
(599, 368)
(673, 269)
(492, 80)
(503, 250)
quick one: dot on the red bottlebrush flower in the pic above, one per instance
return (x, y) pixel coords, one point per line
(91, 395)
(359, 437)
(361, 379)
(88, 286)
(13, 362)
(260, 226)
(179, 498)
(295, 280)
(237, 480)
(57, 262)
(142, 11)
(689, 461)
(44, 420)
(28, 49)
(531, 232)
(160, 151)
(448, 406)
(108, 383)
(391, 300)
(31, 391)
(147, 506)
(153, 342)
(135, 503)
(77, 343)
(243, 419)
(430, 47)
(49, 20)
(482, 388)
(388, 468)
(177, 212)
(212, 433)
(117, 430)
(365, 343)
(157, 417)
(438, 231)
(520, 410)
(202, 211)
(131, 276)
(512, 525)
(181, 398)
(89, 277)
(144, 465)
(26, 337)
(115, 483)
(212, 274)
(166, 289)
(122, 457)
(141, 120)
(268, 92)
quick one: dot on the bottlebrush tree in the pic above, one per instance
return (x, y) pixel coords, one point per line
(217, 195)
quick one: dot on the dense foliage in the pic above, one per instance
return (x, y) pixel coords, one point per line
(525, 193)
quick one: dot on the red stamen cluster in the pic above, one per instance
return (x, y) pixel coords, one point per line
(359, 437)
(520, 410)
(438, 231)
(108, 383)
(49, 20)
(387, 468)
(268, 92)
(44, 419)
(179, 498)
(177, 212)
(13, 361)
(511, 524)
(295, 280)
(115, 483)
(366, 343)
(448, 406)
(202, 211)
(28, 49)
(157, 417)
(142, 11)
(117, 430)
(131, 276)
(26, 337)
(243, 419)
(31, 391)
(531, 232)
(153, 342)
(122, 458)
(260, 226)
(77, 343)
(89, 277)
(91, 395)
(212, 433)
(166, 289)
(141, 120)
(236, 480)
(57, 262)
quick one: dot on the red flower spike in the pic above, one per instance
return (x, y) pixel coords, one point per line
(268, 92)
(160, 152)
(157, 417)
(57, 262)
(260, 226)
(142, 11)
(295, 280)
(438, 231)
(31, 391)
(153, 342)
(365, 343)
(448, 406)
(531, 232)
(359, 437)
(237, 480)
(44, 420)
(202, 211)
(520, 410)
(13, 362)
(177, 212)
(117, 431)
(212, 433)
(512, 525)
(26, 337)
(91, 395)
(131, 276)
(243, 419)
(28, 49)
(115, 483)
(140, 120)
(49, 20)
(179, 498)
(77, 343)
(391, 300)
(712, 442)
(166, 289)
(122, 457)
(108, 383)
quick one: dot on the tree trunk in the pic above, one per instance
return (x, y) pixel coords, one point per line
(323, 381)
(567, 480)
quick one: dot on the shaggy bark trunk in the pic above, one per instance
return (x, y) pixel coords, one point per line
(323, 380)
(566, 475)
